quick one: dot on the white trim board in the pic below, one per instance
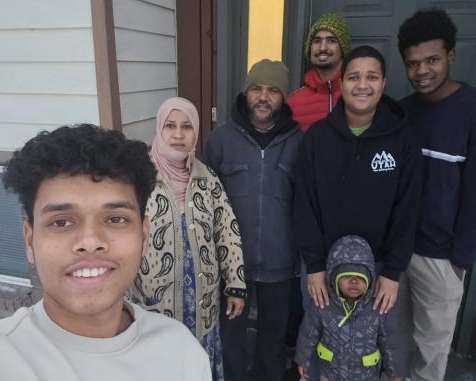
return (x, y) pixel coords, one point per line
(17, 281)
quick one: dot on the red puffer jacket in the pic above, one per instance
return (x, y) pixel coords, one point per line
(314, 100)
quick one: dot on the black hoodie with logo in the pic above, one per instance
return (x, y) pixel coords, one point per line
(366, 185)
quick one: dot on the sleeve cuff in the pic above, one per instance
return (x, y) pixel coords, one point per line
(391, 273)
(316, 267)
(235, 292)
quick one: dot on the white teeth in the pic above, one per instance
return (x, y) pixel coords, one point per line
(89, 273)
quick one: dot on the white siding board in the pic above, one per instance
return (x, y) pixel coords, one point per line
(170, 4)
(48, 78)
(143, 130)
(16, 135)
(140, 76)
(48, 109)
(28, 14)
(144, 47)
(59, 45)
(133, 14)
(141, 106)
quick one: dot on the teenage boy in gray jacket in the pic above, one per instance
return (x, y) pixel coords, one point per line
(254, 156)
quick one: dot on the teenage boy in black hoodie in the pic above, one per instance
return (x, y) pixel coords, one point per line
(443, 112)
(357, 173)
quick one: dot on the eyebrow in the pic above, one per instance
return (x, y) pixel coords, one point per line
(424, 58)
(49, 208)
(369, 72)
(120, 205)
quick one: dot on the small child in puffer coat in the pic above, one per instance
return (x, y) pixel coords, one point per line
(348, 335)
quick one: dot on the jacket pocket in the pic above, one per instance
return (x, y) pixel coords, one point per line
(371, 359)
(235, 179)
(284, 181)
(324, 353)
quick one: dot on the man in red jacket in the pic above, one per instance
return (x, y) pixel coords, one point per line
(327, 43)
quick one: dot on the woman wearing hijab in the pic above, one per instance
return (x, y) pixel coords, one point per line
(194, 239)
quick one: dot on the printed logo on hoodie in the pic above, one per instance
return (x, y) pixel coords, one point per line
(383, 162)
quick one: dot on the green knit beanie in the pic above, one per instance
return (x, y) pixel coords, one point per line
(334, 23)
(271, 73)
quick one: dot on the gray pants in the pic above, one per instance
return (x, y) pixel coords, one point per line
(434, 291)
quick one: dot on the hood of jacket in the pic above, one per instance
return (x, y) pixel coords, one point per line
(389, 116)
(350, 249)
(240, 115)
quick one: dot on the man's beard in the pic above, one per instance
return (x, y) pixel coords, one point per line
(270, 119)
(323, 65)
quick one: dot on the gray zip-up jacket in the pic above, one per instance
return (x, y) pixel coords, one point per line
(350, 341)
(260, 185)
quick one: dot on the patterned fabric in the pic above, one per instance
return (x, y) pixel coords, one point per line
(334, 23)
(212, 341)
(362, 333)
(189, 299)
(215, 247)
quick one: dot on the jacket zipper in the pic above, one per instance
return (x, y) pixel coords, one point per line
(329, 89)
(260, 203)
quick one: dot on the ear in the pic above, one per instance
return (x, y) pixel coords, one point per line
(452, 56)
(384, 83)
(28, 238)
(145, 234)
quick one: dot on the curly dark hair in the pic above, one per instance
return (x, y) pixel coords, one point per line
(363, 51)
(426, 25)
(83, 149)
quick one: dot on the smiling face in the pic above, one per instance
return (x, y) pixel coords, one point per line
(352, 287)
(325, 52)
(178, 131)
(362, 86)
(264, 102)
(427, 67)
(86, 244)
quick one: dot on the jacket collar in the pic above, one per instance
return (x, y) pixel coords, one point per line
(389, 117)
(285, 125)
(314, 81)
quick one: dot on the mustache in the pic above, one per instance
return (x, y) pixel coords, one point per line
(262, 104)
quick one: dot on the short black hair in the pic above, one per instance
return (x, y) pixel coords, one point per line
(83, 149)
(363, 51)
(426, 25)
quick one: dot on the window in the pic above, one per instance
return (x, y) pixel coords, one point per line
(13, 260)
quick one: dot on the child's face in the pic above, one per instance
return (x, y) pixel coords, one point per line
(352, 287)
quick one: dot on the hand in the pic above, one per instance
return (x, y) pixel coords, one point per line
(316, 284)
(234, 307)
(302, 373)
(386, 291)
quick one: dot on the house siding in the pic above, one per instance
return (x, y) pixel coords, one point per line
(47, 69)
(145, 33)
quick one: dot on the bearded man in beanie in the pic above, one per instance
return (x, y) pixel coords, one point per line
(254, 155)
(327, 43)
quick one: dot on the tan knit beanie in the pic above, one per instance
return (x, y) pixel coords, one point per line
(334, 23)
(271, 73)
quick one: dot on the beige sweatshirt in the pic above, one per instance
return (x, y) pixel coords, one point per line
(154, 347)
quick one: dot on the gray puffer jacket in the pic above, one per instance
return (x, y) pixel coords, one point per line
(351, 345)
